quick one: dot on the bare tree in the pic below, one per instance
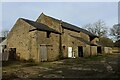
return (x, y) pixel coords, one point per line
(4, 33)
(106, 41)
(98, 28)
(115, 31)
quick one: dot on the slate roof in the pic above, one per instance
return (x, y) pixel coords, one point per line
(78, 29)
(40, 26)
(100, 44)
(72, 27)
(83, 40)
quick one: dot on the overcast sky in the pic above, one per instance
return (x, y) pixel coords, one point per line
(77, 13)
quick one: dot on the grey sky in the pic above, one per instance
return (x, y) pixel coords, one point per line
(59, 0)
(0, 16)
(77, 13)
(119, 12)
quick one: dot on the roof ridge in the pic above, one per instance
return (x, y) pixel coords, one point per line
(76, 28)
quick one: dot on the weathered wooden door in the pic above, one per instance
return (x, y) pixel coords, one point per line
(12, 54)
(70, 52)
(43, 53)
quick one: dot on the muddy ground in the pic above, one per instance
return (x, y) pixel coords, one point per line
(102, 66)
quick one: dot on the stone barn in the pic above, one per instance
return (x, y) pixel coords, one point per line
(33, 40)
(73, 39)
(49, 39)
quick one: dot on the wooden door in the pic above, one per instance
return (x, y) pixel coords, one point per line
(43, 53)
(12, 54)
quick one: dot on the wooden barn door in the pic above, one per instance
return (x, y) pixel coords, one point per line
(70, 52)
(43, 53)
(12, 54)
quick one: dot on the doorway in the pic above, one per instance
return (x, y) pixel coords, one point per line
(69, 52)
(99, 50)
(43, 52)
(12, 54)
(80, 51)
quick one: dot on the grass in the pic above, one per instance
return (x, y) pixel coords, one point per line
(9, 63)
(97, 57)
(28, 63)
(14, 64)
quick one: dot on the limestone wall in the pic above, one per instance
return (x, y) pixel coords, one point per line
(52, 43)
(52, 23)
(69, 41)
(85, 36)
(95, 40)
(87, 51)
(93, 50)
(19, 38)
(116, 50)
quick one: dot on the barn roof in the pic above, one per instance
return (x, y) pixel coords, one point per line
(40, 26)
(83, 40)
(78, 29)
(72, 27)
(100, 44)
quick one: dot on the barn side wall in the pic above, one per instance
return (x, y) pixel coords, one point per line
(52, 43)
(93, 50)
(67, 41)
(116, 50)
(18, 38)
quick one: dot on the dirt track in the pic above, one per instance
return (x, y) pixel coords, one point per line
(106, 66)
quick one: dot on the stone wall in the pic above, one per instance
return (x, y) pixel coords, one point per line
(67, 40)
(27, 43)
(33, 46)
(95, 40)
(53, 23)
(107, 50)
(116, 50)
(19, 38)
(93, 50)
(52, 44)
(84, 36)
